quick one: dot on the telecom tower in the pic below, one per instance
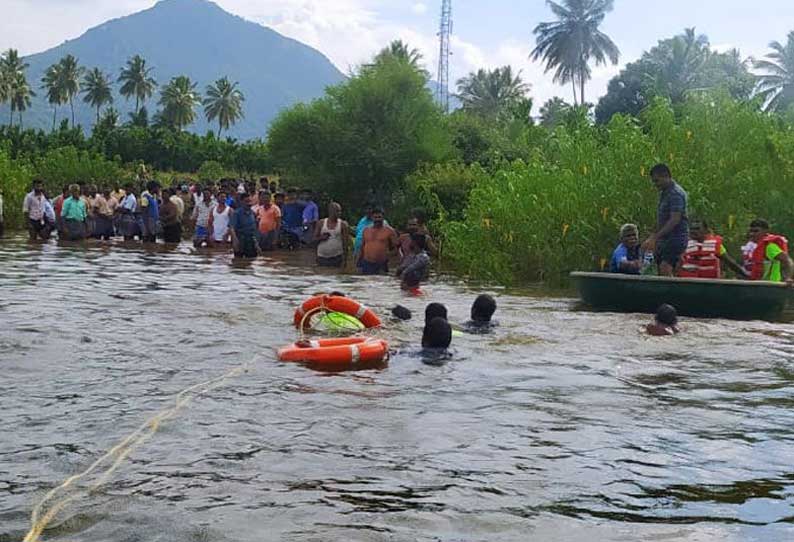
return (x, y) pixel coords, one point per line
(443, 56)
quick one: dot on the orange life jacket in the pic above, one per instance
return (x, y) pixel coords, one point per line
(759, 256)
(701, 260)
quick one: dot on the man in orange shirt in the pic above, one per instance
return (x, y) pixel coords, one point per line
(268, 216)
(378, 242)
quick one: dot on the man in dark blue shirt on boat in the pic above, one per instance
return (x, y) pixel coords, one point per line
(672, 233)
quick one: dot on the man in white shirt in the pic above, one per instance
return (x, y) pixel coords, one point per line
(33, 210)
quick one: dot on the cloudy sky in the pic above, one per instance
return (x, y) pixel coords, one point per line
(487, 33)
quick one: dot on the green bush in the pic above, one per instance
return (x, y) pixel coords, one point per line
(560, 210)
(15, 182)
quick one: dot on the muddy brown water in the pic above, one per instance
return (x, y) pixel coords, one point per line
(562, 425)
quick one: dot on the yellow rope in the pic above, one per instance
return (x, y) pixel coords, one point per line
(52, 503)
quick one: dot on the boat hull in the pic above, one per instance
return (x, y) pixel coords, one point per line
(702, 298)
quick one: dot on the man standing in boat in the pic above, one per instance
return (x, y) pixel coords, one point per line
(672, 233)
(770, 260)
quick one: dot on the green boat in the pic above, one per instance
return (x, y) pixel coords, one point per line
(701, 298)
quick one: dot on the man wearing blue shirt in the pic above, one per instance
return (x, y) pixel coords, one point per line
(243, 227)
(150, 212)
(672, 233)
(626, 258)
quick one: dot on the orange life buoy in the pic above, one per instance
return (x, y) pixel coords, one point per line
(351, 350)
(337, 304)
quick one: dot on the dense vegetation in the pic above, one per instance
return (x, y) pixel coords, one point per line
(513, 197)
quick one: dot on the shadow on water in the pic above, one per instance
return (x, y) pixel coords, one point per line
(562, 424)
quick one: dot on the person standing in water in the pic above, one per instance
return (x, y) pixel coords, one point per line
(169, 219)
(243, 229)
(672, 233)
(33, 209)
(201, 217)
(379, 241)
(268, 218)
(332, 236)
(218, 224)
(128, 222)
(74, 214)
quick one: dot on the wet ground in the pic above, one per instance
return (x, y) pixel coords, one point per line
(562, 425)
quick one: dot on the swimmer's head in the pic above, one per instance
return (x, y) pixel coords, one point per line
(435, 310)
(403, 313)
(483, 308)
(667, 315)
(438, 335)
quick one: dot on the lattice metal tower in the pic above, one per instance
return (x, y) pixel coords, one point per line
(443, 56)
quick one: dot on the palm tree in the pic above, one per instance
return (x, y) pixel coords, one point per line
(11, 66)
(20, 95)
(680, 64)
(69, 80)
(51, 82)
(491, 92)
(179, 100)
(568, 44)
(553, 112)
(224, 102)
(402, 52)
(776, 85)
(97, 90)
(137, 81)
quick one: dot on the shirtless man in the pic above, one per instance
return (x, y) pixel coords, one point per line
(379, 241)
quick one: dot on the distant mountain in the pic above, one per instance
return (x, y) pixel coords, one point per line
(198, 39)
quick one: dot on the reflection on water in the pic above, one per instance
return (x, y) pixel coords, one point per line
(563, 425)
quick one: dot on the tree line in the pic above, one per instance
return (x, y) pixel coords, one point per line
(65, 81)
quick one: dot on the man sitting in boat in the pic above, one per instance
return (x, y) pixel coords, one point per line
(770, 260)
(705, 253)
(626, 258)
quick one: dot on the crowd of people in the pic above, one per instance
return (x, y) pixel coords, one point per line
(685, 247)
(248, 218)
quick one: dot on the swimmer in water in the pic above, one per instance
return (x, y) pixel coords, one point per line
(482, 311)
(432, 311)
(665, 323)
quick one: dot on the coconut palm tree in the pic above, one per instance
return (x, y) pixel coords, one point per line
(490, 92)
(776, 85)
(568, 44)
(21, 94)
(51, 82)
(97, 90)
(137, 81)
(179, 100)
(553, 112)
(402, 52)
(11, 66)
(69, 81)
(224, 102)
(680, 64)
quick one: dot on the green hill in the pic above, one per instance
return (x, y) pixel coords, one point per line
(198, 39)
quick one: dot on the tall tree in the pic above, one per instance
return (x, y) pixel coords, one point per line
(179, 100)
(491, 92)
(680, 65)
(21, 94)
(11, 67)
(51, 83)
(70, 73)
(97, 90)
(401, 51)
(224, 102)
(570, 43)
(776, 84)
(137, 81)
(553, 112)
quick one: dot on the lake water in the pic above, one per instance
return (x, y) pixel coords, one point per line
(562, 425)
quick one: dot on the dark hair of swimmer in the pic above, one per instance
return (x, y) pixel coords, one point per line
(403, 313)
(667, 315)
(439, 334)
(483, 308)
(432, 311)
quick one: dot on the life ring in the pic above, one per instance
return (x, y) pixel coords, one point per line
(348, 351)
(337, 304)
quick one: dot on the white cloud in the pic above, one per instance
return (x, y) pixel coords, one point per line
(419, 8)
